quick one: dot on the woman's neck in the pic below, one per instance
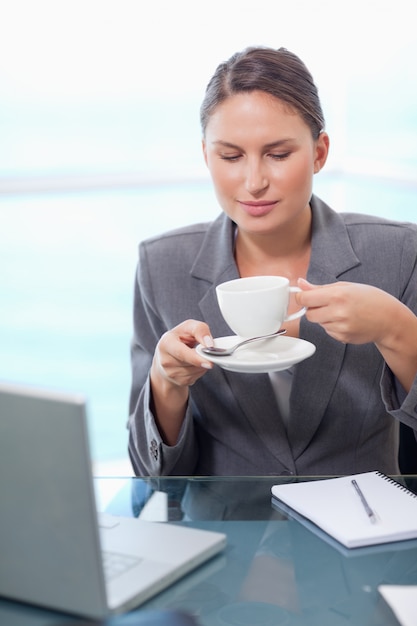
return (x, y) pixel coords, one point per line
(280, 253)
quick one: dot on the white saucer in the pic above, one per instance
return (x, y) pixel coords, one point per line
(270, 355)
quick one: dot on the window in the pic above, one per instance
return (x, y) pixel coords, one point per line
(100, 148)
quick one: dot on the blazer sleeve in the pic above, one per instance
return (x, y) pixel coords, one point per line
(402, 405)
(148, 453)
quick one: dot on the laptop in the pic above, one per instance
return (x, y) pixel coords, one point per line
(56, 551)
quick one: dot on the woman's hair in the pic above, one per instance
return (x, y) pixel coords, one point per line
(279, 73)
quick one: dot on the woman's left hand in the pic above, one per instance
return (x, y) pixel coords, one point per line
(356, 313)
(349, 312)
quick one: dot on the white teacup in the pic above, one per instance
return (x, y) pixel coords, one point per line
(256, 305)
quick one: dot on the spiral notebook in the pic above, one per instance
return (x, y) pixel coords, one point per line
(377, 510)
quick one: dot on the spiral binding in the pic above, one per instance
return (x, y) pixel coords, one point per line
(398, 485)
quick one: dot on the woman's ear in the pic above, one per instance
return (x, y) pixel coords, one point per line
(322, 151)
(203, 145)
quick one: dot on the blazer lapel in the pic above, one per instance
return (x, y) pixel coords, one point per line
(331, 257)
(311, 391)
(260, 409)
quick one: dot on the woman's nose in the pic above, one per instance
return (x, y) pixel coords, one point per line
(256, 179)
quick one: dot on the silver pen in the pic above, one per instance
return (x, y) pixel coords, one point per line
(370, 512)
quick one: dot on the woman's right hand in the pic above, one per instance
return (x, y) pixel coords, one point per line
(175, 359)
(175, 367)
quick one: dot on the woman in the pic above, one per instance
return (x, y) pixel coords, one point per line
(337, 412)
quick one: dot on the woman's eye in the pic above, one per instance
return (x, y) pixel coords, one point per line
(280, 157)
(230, 157)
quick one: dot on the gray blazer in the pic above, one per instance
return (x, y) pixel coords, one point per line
(345, 404)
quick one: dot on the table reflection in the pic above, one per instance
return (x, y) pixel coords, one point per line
(274, 570)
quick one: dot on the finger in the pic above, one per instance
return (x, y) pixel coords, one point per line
(311, 295)
(192, 332)
(316, 296)
(176, 347)
(305, 285)
(181, 355)
(181, 367)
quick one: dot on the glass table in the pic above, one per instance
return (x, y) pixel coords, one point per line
(274, 571)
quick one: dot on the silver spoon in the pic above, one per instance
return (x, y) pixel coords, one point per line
(214, 351)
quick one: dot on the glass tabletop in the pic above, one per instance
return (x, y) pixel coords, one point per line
(274, 570)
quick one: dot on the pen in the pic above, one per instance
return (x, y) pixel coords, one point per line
(370, 513)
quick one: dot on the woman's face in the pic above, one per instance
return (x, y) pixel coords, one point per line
(262, 158)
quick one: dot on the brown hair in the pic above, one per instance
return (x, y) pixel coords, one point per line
(279, 73)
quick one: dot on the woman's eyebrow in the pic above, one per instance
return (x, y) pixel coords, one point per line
(225, 144)
(279, 143)
(273, 144)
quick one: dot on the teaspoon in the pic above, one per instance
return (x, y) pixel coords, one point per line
(214, 351)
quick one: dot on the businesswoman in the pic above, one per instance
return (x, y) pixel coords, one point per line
(336, 412)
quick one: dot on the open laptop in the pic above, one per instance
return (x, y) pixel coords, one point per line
(53, 548)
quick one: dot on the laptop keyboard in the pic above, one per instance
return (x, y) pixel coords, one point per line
(115, 564)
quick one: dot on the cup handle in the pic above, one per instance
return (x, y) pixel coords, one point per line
(299, 313)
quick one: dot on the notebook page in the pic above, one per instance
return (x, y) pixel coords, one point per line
(334, 506)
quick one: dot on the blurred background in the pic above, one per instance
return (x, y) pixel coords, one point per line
(100, 147)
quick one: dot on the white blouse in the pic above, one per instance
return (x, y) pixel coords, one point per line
(282, 384)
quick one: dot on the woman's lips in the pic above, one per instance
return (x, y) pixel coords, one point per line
(257, 209)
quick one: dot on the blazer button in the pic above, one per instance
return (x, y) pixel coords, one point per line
(153, 449)
(286, 473)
